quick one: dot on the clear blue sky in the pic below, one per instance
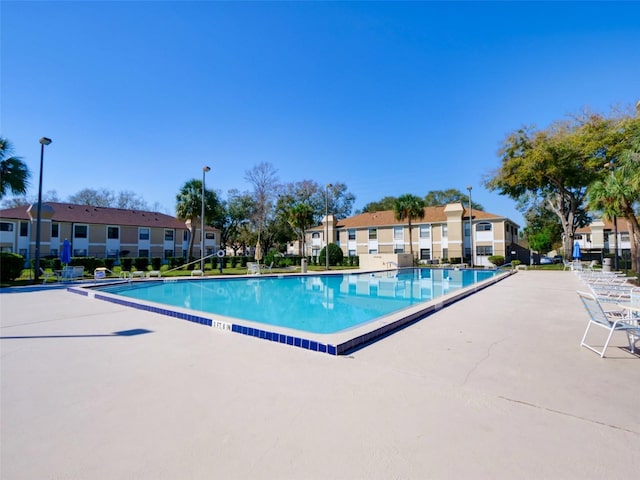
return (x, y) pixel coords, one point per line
(387, 97)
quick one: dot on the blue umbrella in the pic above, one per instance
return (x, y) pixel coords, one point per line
(65, 253)
(576, 251)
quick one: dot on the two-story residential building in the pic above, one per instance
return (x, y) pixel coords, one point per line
(599, 238)
(99, 232)
(445, 233)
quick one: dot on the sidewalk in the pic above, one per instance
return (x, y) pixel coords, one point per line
(494, 386)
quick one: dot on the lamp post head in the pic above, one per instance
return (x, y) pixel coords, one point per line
(469, 187)
(45, 141)
(206, 169)
(329, 185)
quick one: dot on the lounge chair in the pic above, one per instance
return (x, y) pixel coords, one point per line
(47, 275)
(253, 268)
(265, 268)
(611, 321)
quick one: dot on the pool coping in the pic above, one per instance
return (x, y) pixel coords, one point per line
(339, 343)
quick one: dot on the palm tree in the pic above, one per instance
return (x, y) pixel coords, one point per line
(409, 207)
(615, 196)
(14, 174)
(189, 207)
(300, 217)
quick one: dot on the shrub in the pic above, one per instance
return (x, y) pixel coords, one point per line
(11, 265)
(141, 263)
(497, 260)
(335, 255)
(109, 263)
(126, 264)
(156, 263)
(515, 263)
(89, 263)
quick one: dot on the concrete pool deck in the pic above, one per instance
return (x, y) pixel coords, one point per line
(494, 386)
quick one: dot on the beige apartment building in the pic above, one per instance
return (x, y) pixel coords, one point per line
(99, 232)
(445, 233)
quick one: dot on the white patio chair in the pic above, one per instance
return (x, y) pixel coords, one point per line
(611, 321)
(253, 268)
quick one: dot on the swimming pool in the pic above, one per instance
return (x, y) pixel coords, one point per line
(327, 312)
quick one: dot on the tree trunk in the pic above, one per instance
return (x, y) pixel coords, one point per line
(411, 241)
(564, 206)
(191, 238)
(634, 237)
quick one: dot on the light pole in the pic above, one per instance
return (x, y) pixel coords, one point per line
(36, 275)
(204, 171)
(470, 227)
(326, 218)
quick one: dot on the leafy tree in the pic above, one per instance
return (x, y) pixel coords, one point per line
(556, 165)
(14, 174)
(409, 207)
(340, 201)
(451, 195)
(235, 214)
(386, 203)
(543, 230)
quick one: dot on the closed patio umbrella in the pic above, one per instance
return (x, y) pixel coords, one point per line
(258, 254)
(576, 251)
(65, 252)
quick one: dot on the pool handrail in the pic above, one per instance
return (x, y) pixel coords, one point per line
(195, 261)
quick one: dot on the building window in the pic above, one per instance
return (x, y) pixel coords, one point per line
(398, 250)
(466, 229)
(352, 234)
(113, 233)
(6, 227)
(55, 230)
(210, 236)
(577, 237)
(185, 236)
(80, 231)
(79, 252)
(143, 252)
(373, 235)
(352, 253)
(143, 234)
(168, 254)
(624, 236)
(484, 250)
(483, 227)
(425, 231)
(425, 254)
(24, 229)
(398, 233)
(168, 235)
(445, 231)
(373, 251)
(315, 235)
(445, 253)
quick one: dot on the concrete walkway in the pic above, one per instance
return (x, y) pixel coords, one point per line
(495, 386)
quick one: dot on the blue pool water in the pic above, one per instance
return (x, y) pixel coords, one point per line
(311, 303)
